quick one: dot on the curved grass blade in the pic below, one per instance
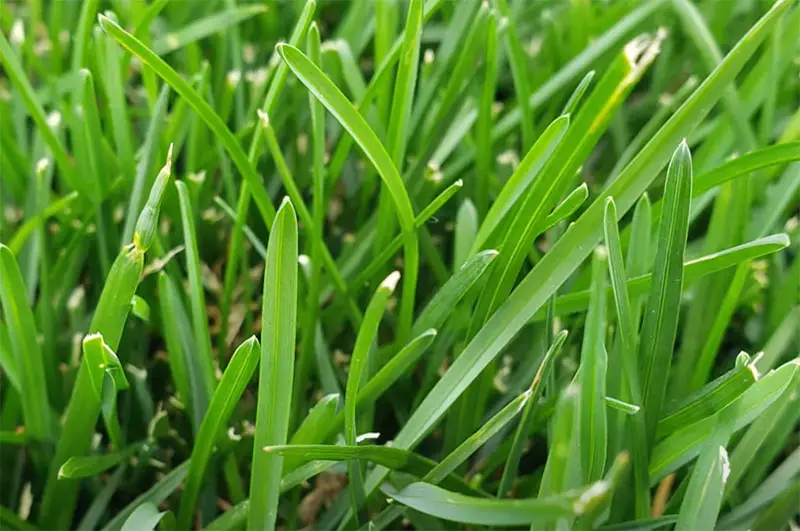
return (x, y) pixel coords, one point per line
(443, 303)
(567, 207)
(203, 110)
(144, 518)
(27, 354)
(333, 100)
(521, 435)
(456, 507)
(234, 380)
(661, 313)
(87, 466)
(367, 334)
(521, 179)
(684, 445)
(278, 321)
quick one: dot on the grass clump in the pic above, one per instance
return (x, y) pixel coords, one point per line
(511, 264)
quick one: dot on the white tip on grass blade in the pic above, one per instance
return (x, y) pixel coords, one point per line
(390, 282)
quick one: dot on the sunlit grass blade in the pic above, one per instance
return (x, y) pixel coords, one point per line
(145, 516)
(278, 321)
(521, 435)
(661, 313)
(234, 380)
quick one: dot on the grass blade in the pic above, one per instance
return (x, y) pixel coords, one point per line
(234, 380)
(661, 313)
(87, 466)
(279, 309)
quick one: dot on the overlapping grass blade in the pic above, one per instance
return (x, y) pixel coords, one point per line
(278, 317)
(234, 380)
(87, 466)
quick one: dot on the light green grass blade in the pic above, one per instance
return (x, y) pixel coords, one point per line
(592, 420)
(107, 377)
(144, 517)
(709, 399)
(565, 256)
(567, 207)
(87, 466)
(201, 108)
(444, 302)
(465, 231)
(521, 179)
(555, 477)
(358, 363)
(347, 115)
(452, 506)
(109, 319)
(484, 162)
(661, 313)
(398, 460)
(234, 380)
(27, 354)
(278, 318)
(524, 428)
(703, 497)
(684, 445)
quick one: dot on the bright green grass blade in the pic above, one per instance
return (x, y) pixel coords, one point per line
(155, 495)
(16, 73)
(398, 460)
(201, 108)
(197, 300)
(693, 270)
(709, 399)
(465, 231)
(592, 420)
(92, 465)
(566, 255)
(576, 97)
(621, 405)
(526, 420)
(444, 302)
(661, 313)
(358, 363)
(684, 445)
(703, 497)
(199, 29)
(347, 115)
(316, 427)
(279, 310)
(118, 109)
(519, 72)
(567, 207)
(27, 354)
(97, 185)
(145, 517)
(522, 178)
(452, 506)
(234, 380)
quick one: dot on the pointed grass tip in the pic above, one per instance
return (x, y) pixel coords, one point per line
(263, 117)
(168, 164)
(390, 282)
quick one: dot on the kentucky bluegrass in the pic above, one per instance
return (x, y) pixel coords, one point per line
(628, 171)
